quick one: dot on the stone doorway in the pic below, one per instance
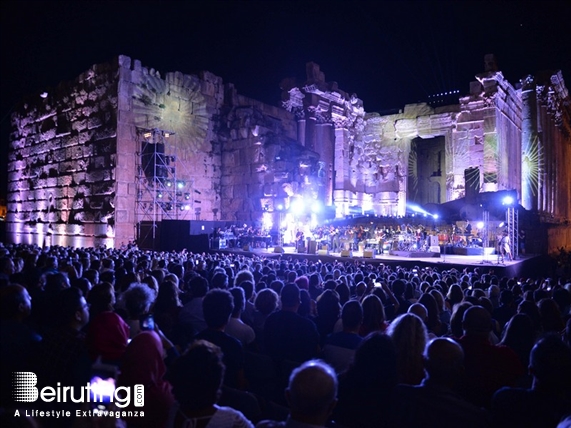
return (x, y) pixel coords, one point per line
(426, 171)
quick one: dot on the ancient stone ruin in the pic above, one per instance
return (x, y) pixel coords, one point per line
(122, 146)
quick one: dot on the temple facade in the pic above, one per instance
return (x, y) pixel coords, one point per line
(122, 148)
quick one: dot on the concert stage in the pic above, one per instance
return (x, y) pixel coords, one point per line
(524, 266)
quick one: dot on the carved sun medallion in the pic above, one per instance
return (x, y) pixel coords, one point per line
(174, 104)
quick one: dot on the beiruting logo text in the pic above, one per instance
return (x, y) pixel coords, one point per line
(100, 391)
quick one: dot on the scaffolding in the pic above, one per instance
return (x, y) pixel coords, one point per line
(164, 188)
(512, 228)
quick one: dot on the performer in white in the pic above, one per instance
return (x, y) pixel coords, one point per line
(505, 249)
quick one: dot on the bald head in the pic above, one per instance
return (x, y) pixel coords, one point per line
(312, 392)
(477, 321)
(444, 360)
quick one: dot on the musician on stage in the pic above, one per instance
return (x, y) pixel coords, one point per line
(505, 249)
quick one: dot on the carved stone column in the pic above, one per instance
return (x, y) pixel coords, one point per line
(529, 146)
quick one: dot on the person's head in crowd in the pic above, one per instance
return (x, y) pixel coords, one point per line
(83, 284)
(107, 264)
(198, 286)
(72, 309)
(486, 303)
(291, 276)
(196, 377)
(219, 280)
(419, 310)
(409, 335)
(159, 275)
(312, 393)
(375, 362)
(92, 275)
(248, 287)
(305, 305)
(107, 276)
(217, 307)
(138, 300)
(330, 284)
(477, 322)
(444, 361)
(101, 298)
(151, 283)
(373, 314)
(328, 305)
(550, 366)
(519, 334)
(168, 297)
(494, 293)
(51, 263)
(352, 316)
(15, 303)
(55, 282)
(550, 316)
(266, 301)
(239, 301)
(344, 292)
(455, 294)
(172, 278)
(7, 266)
(277, 286)
(290, 297)
(243, 275)
(456, 318)
(433, 323)
(302, 282)
(176, 269)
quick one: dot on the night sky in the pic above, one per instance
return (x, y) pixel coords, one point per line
(387, 52)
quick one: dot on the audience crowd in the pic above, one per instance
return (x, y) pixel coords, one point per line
(229, 340)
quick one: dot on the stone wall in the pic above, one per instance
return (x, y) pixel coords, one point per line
(77, 173)
(61, 178)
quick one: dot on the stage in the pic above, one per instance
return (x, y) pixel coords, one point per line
(529, 265)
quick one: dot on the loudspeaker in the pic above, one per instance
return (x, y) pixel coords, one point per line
(322, 252)
(369, 253)
(197, 243)
(345, 253)
(278, 249)
(175, 234)
(311, 247)
(153, 161)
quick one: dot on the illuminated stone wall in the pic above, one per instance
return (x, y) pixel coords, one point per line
(75, 169)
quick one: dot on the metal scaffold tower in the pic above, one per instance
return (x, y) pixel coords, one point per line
(513, 229)
(164, 190)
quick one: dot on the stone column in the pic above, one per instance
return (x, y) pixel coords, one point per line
(529, 146)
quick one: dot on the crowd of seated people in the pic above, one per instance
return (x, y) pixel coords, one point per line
(228, 340)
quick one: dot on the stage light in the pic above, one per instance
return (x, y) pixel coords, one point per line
(502, 224)
(187, 196)
(180, 184)
(159, 195)
(168, 183)
(435, 216)
(297, 206)
(147, 135)
(508, 200)
(480, 225)
(316, 207)
(279, 207)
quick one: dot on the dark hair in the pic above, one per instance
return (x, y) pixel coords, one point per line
(290, 295)
(68, 303)
(101, 298)
(196, 377)
(239, 300)
(217, 306)
(352, 314)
